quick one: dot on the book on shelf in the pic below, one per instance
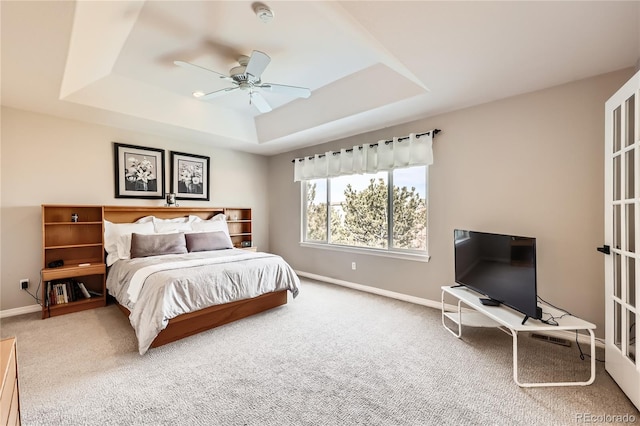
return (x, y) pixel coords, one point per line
(59, 299)
(83, 290)
(53, 294)
(65, 296)
(65, 291)
(47, 295)
(74, 290)
(95, 293)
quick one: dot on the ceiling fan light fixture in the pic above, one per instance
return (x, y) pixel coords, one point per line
(263, 12)
(247, 78)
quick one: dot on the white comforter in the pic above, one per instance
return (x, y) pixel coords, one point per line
(170, 285)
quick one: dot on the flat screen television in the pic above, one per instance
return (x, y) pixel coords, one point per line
(501, 267)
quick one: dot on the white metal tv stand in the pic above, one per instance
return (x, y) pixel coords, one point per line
(504, 317)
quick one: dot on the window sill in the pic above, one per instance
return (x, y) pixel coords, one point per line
(362, 250)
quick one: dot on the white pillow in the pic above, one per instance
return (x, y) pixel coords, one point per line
(113, 232)
(174, 220)
(217, 217)
(179, 224)
(145, 219)
(124, 245)
(216, 223)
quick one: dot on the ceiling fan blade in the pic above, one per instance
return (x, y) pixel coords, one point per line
(300, 92)
(257, 63)
(217, 93)
(198, 68)
(259, 102)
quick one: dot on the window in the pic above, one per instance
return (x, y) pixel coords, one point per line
(384, 211)
(316, 210)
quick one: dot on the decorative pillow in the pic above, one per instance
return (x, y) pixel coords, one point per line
(157, 244)
(113, 232)
(163, 226)
(216, 223)
(206, 241)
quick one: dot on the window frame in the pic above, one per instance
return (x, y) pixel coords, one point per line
(390, 251)
(303, 230)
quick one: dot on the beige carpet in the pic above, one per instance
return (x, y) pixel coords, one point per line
(333, 356)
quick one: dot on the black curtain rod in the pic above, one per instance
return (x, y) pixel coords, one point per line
(371, 145)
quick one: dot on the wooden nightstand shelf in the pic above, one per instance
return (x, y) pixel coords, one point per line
(239, 223)
(75, 243)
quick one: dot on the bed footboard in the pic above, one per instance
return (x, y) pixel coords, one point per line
(195, 322)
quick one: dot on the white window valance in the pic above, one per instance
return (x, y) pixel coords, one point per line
(412, 150)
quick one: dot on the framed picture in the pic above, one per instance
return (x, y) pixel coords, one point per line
(139, 171)
(189, 176)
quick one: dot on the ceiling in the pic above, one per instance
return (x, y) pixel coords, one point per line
(369, 64)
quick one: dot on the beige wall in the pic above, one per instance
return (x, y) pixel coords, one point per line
(529, 165)
(48, 160)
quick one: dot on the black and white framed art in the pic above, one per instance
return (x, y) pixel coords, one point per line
(139, 171)
(189, 176)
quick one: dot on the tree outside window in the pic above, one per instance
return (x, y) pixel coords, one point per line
(360, 207)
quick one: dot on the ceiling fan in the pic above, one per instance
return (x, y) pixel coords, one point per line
(246, 77)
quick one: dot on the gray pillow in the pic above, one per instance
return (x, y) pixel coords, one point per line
(205, 241)
(156, 244)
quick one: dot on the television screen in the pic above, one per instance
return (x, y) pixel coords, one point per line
(501, 267)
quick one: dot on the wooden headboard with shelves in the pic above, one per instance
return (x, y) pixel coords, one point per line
(129, 214)
(239, 220)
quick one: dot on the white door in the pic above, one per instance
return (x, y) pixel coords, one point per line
(622, 230)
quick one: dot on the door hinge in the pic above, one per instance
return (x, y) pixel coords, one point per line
(604, 249)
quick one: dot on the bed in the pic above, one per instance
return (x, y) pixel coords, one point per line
(168, 291)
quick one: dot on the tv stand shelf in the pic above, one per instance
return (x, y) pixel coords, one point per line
(472, 319)
(512, 323)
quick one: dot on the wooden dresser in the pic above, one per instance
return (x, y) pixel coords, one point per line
(9, 405)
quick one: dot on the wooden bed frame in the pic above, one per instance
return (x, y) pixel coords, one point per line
(205, 319)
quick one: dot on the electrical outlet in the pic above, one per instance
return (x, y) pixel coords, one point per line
(24, 283)
(353, 265)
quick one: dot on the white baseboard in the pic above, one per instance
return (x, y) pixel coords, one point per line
(569, 335)
(20, 311)
(381, 292)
